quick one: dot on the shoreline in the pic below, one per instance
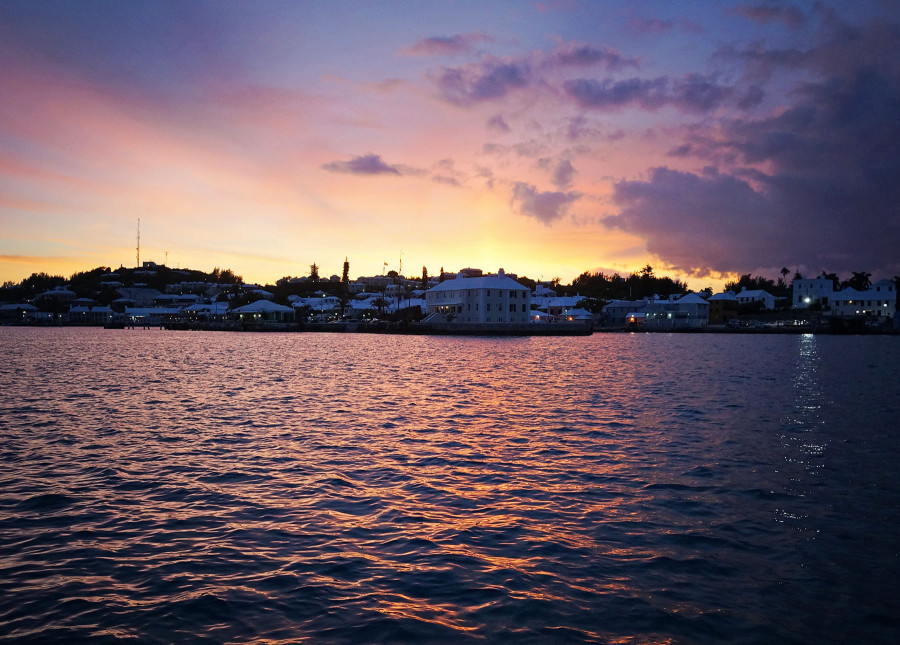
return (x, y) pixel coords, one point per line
(569, 329)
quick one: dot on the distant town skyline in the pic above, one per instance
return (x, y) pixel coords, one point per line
(549, 138)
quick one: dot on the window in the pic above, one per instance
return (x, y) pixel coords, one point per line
(512, 308)
(488, 307)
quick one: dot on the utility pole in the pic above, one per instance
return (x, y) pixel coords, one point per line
(139, 243)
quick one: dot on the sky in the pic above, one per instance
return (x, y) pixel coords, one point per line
(707, 139)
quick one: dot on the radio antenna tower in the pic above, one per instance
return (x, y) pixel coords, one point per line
(139, 244)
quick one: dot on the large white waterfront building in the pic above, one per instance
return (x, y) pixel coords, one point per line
(879, 300)
(807, 291)
(484, 299)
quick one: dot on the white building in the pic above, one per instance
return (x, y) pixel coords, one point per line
(687, 312)
(486, 299)
(756, 295)
(810, 290)
(879, 300)
(618, 310)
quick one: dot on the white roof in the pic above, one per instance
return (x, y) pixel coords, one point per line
(147, 311)
(262, 306)
(213, 308)
(851, 293)
(692, 299)
(482, 282)
(754, 293)
(564, 301)
(725, 295)
(24, 307)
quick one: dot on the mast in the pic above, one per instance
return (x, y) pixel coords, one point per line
(139, 243)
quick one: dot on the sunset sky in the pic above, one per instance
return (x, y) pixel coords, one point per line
(547, 138)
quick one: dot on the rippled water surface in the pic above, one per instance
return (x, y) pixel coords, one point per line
(215, 487)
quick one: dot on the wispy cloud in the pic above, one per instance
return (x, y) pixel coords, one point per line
(369, 164)
(693, 93)
(446, 45)
(789, 15)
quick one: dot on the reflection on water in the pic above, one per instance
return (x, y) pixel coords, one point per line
(347, 488)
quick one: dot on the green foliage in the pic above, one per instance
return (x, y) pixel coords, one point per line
(527, 282)
(594, 305)
(860, 281)
(747, 281)
(634, 287)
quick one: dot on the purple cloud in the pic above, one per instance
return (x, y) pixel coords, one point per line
(790, 16)
(493, 78)
(490, 79)
(643, 26)
(699, 224)
(609, 94)
(446, 45)
(693, 93)
(563, 174)
(826, 200)
(546, 207)
(498, 123)
(580, 55)
(369, 164)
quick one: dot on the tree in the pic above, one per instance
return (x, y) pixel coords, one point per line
(860, 280)
(784, 274)
(345, 276)
(424, 278)
(314, 272)
(441, 278)
(381, 303)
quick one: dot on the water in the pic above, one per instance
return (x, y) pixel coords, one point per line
(281, 488)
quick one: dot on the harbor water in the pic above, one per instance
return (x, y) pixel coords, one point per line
(161, 487)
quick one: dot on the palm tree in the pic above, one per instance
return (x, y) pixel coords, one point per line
(860, 280)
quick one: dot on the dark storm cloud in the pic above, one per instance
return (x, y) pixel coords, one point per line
(789, 15)
(446, 45)
(828, 196)
(841, 53)
(685, 218)
(693, 93)
(546, 207)
(369, 164)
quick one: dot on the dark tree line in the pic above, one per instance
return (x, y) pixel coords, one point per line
(642, 284)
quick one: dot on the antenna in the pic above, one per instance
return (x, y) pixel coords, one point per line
(139, 244)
